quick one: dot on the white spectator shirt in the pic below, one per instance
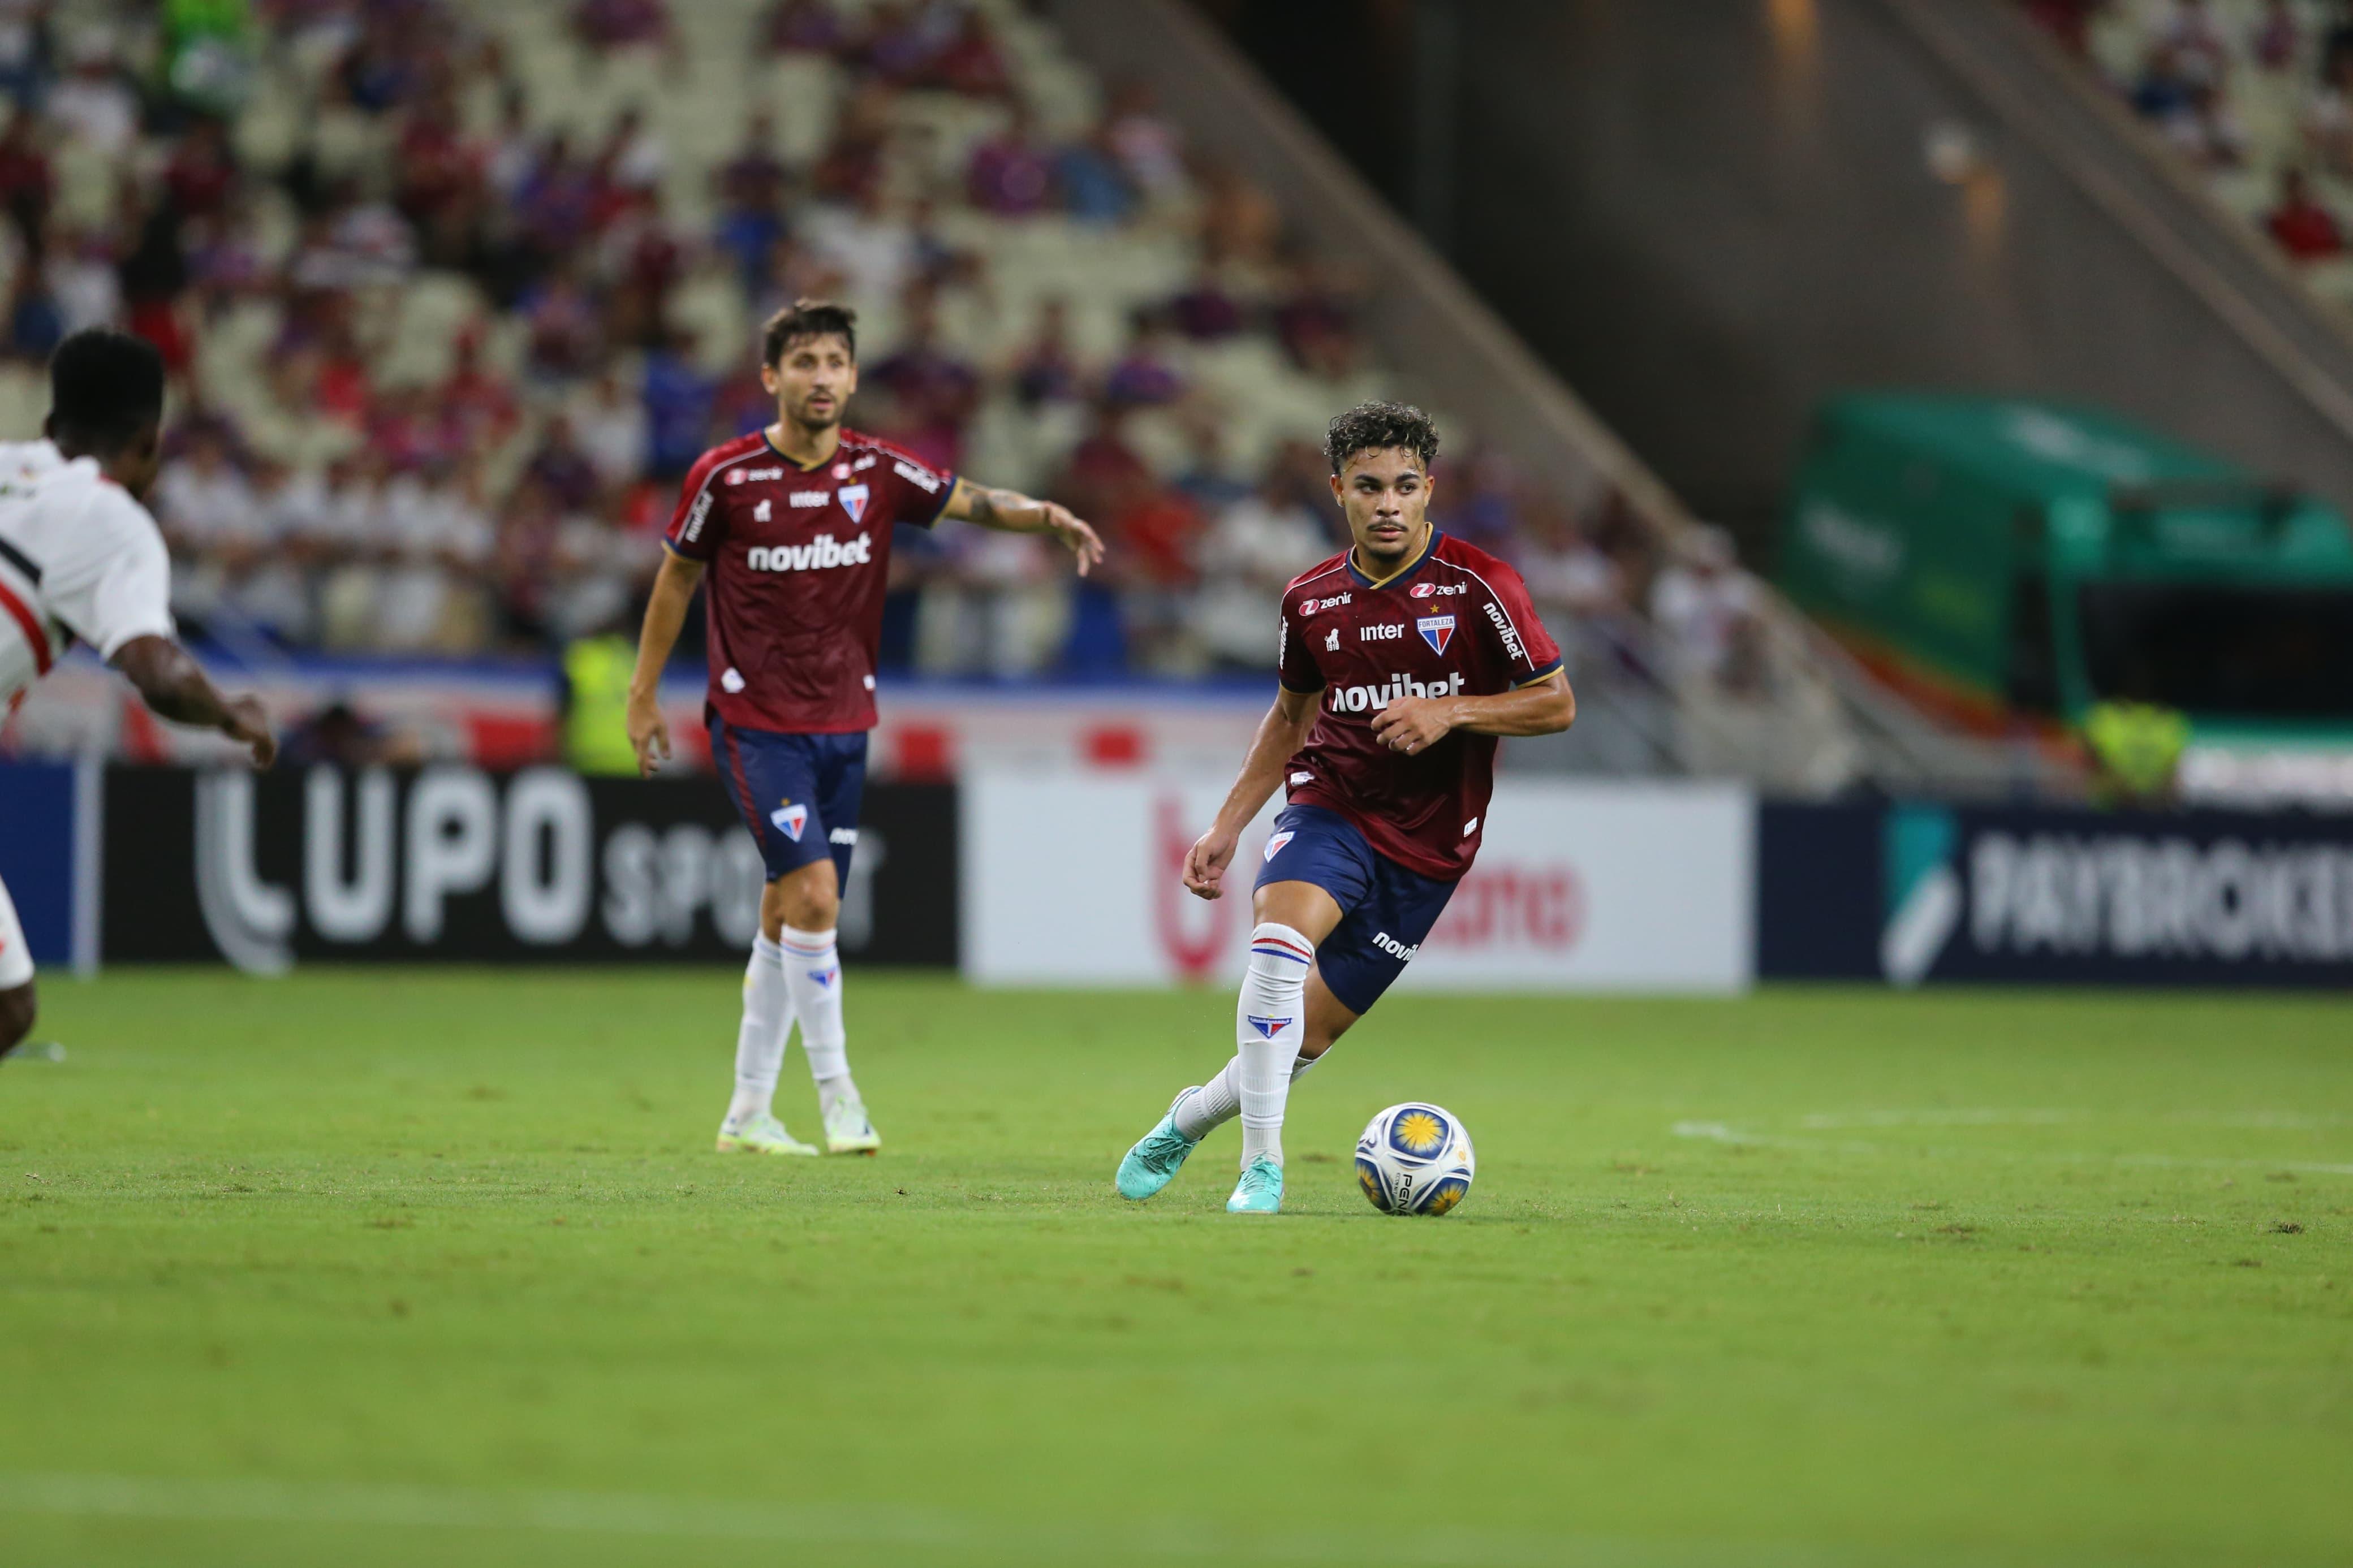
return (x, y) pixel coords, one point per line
(80, 560)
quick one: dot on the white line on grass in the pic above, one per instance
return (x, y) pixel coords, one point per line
(390, 1505)
(1720, 1133)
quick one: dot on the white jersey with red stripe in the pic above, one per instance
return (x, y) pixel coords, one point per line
(80, 560)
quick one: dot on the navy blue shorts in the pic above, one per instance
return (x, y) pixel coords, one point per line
(1385, 909)
(798, 794)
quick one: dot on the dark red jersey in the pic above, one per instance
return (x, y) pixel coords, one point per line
(1457, 620)
(799, 559)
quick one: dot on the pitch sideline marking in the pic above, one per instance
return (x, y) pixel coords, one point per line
(386, 1504)
(1720, 1133)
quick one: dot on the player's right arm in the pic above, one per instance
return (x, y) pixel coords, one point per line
(665, 616)
(1280, 735)
(174, 685)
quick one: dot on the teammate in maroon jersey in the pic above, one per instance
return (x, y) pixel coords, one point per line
(792, 525)
(1402, 659)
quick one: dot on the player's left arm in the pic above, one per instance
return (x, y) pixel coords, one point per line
(1011, 512)
(1544, 707)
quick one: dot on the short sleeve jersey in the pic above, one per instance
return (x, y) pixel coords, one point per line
(799, 560)
(1456, 621)
(80, 561)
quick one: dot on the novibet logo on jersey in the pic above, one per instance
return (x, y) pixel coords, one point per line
(818, 554)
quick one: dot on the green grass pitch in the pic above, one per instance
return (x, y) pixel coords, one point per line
(436, 1267)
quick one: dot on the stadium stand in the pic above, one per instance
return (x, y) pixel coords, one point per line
(452, 293)
(2255, 95)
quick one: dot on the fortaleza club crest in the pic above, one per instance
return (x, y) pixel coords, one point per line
(1274, 844)
(1270, 1027)
(853, 502)
(1436, 630)
(790, 820)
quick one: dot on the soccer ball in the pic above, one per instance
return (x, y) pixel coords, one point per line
(1415, 1159)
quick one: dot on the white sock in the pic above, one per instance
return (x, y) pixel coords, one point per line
(813, 971)
(760, 1042)
(1269, 1022)
(1219, 1100)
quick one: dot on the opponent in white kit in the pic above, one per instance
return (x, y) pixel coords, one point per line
(81, 560)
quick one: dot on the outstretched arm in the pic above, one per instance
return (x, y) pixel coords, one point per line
(1280, 736)
(1413, 724)
(174, 685)
(1011, 512)
(666, 608)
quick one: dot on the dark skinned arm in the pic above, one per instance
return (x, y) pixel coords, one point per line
(1011, 512)
(172, 683)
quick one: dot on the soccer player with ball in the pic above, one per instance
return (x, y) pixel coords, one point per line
(1402, 659)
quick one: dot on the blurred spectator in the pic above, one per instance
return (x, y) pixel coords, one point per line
(751, 188)
(1011, 175)
(2277, 39)
(1145, 375)
(802, 26)
(608, 24)
(1699, 604)
(1147, 146)
(972, 63)
(1205, 311)
(82, 279)
(867, 243)
(1093, 187)
(614, 431)
(28, 182)
(1250, 555)
(339, 736)
(2329, 115)
(1044, 369)
(2304, 229)
(94, 105)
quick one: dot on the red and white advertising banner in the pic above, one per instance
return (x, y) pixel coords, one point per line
(1069, 879)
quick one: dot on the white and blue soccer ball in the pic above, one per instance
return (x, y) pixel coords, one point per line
(1415, 1159)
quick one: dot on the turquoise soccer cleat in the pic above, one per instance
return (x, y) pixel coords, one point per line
(1156, 1157)
(1259, 1191)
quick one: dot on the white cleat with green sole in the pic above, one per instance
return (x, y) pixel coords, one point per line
(761, 1135)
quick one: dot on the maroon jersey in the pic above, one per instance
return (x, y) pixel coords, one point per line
(1456, 621)
(799, 559)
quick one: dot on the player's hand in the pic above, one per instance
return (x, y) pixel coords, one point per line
(1206, 863)
(1413, 724)
(1077, 533)
(248, 724)
(648, 733)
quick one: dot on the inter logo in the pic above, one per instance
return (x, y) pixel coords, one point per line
(1436, 630)
(790, 820)
(853, 502)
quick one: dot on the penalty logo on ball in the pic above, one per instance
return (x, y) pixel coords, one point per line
(1415, 1159)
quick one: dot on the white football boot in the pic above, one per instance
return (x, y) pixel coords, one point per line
(847, 1130)
(761, 1135)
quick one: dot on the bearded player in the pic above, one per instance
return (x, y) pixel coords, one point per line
(792, 526)
(82, 561)
(1402, 659)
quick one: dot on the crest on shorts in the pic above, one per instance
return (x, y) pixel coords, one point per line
(853, 502)
(790, 820)
(1274, 844)
(1436, 630)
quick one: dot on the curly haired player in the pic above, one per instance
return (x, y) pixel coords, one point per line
(1402, 659)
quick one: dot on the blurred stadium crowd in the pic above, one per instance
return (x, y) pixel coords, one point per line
(2257, 95)
(453, 294)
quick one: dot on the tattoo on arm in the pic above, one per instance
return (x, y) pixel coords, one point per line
(988, 507)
